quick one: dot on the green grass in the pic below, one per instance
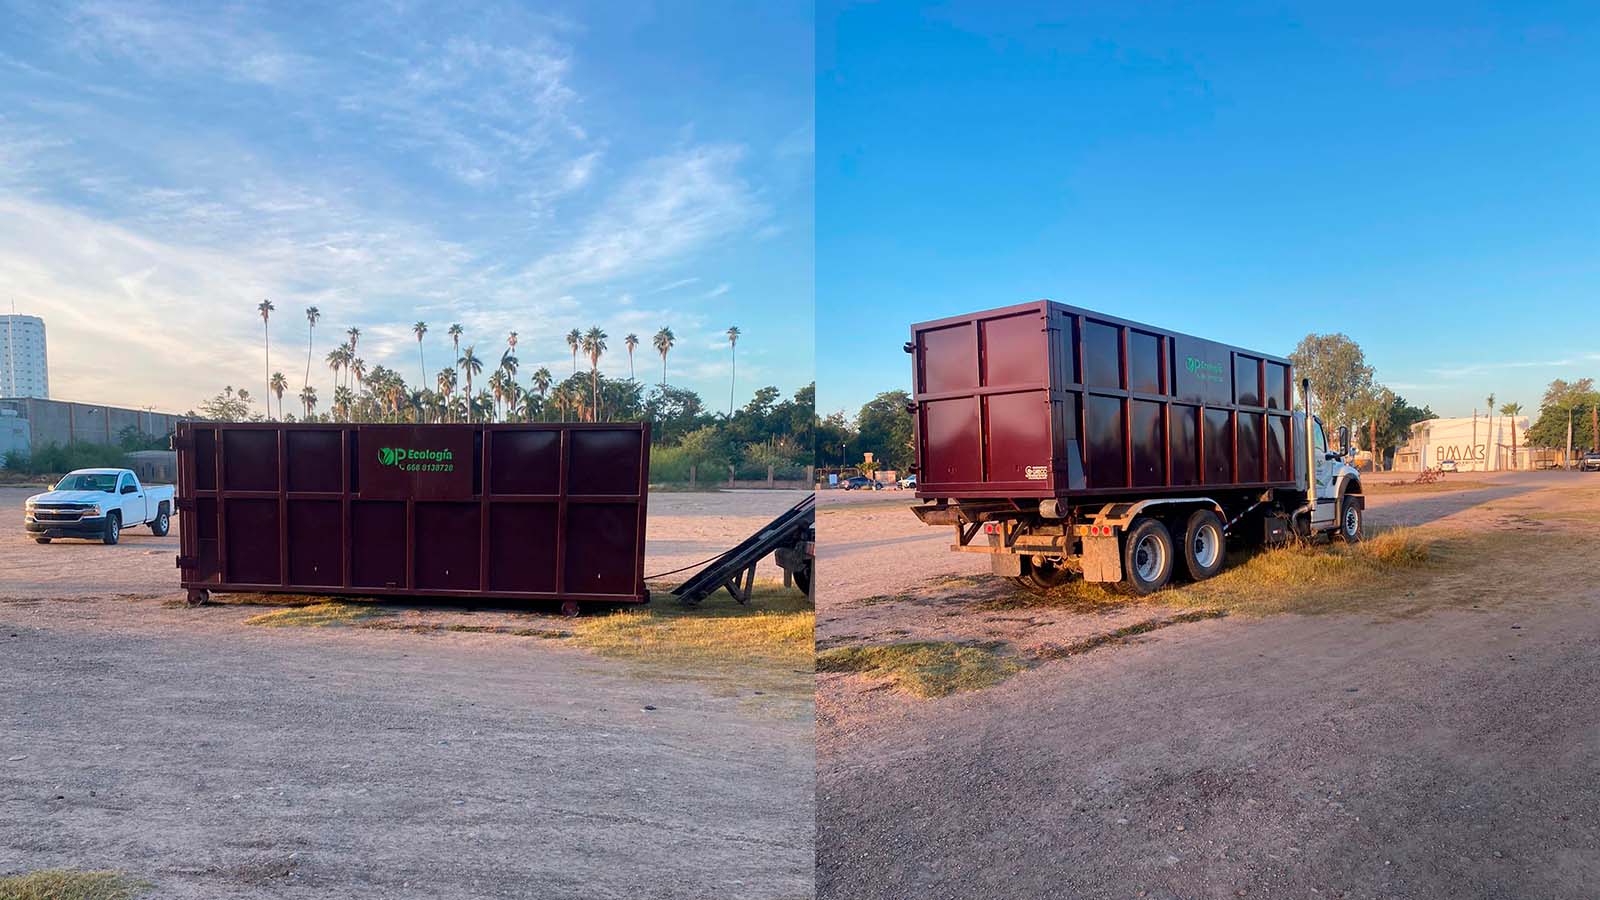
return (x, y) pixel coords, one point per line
(925, 668)
(320, 615)
(69, 884)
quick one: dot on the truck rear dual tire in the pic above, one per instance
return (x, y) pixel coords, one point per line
(1205, 547)
(1147, 557)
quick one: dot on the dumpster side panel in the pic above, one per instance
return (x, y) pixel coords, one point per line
(1046, 400)
(514, 512)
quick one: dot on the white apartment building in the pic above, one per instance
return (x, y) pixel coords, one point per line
(24, 366)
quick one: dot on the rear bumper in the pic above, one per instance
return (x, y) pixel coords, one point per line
(82, 528)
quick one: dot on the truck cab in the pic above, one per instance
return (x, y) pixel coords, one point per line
(1337, 483)
(97, 504)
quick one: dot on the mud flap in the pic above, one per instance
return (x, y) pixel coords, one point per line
(1102, 558)
(1009, 564)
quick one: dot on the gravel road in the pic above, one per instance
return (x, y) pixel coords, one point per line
(219, 760)
(1451, 753)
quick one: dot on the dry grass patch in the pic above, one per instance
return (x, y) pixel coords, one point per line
(770, 641)
(1298, 577)
(1392, 486)
(70, 884)
(320, 615)
(925, 668)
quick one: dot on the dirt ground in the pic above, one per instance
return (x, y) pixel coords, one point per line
(216, 759)
(1438, 742)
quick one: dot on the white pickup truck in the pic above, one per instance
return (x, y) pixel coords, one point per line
(98, 504)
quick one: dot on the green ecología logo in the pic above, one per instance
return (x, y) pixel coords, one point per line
(1205, 371)
(407, 459)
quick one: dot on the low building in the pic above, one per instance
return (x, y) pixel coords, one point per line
(46, 422)
(1476, 444)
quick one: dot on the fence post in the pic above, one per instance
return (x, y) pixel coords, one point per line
(769, 476)
(811, 477)
(691, 476)
(730, 475)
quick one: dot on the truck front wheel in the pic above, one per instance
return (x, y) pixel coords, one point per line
(1351, 521)
(1147, 557)
(162, 523)
(113, 528)
(1204, 547)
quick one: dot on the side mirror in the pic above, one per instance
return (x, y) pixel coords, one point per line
(128, 489)
(1344, 440)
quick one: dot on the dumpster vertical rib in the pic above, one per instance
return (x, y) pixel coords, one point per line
(561, 513)
(643, 500)
(484, 463)
(222, 503)
(283, 506)
(346, 532)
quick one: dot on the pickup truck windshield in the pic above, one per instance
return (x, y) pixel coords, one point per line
(88, 481)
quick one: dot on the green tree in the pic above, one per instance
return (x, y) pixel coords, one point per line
(884, 429)
(1338, 372)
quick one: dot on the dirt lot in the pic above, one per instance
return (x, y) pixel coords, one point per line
(1437, 737)
(216, 759)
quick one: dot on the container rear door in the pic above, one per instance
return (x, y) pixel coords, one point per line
(983, 405)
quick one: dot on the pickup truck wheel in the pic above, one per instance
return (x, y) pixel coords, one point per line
(41, 540)
(1351, 521)
(113, 529)
(161, 524)
(1204, 547)
(1146, 557)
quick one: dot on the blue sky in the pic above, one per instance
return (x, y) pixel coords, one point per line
(1423, 180)
(163, 167)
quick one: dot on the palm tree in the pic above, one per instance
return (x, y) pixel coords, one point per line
(355, 335)
(337, 359)
(279, 385)
(631, 341)
(419, 329)
(497, 388)
(455, 332)
(511, 342)
(447, 385)
(733, 344)
(1511, 411)
(1492, 441)
(308, 398)
(470, 364)
(265, 307)
(541, 383)
(574, 340)
(343, 400)
(312, 316)
(663, 341)
(357, 366)
(594, 344)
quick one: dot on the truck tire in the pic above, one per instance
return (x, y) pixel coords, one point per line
(43, 540)
(1146, 557)
(162, 523)
(113, 529)
(1352, 521)
(1042, 578)
(1205, 548)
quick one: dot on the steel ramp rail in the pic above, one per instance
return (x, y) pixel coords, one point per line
(736, 569)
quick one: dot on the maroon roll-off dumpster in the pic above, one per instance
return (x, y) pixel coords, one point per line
(1069, 443)
(506, 512)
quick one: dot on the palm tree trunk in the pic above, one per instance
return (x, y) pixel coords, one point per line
(266, 335)
(733, 378)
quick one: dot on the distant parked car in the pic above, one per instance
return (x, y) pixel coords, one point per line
(1448, 465)
(910, 481)
(861, 483)
(1590, 462)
